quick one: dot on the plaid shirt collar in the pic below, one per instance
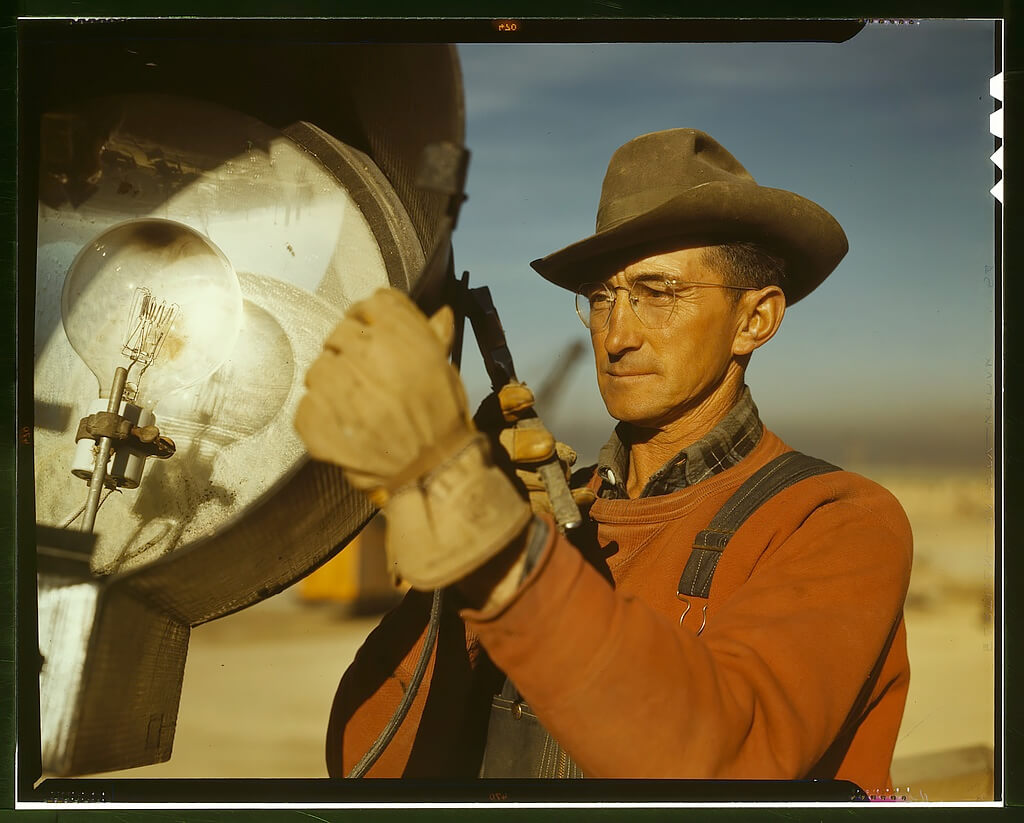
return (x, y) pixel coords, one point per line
(723, 447)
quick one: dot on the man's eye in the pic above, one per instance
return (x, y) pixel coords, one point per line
(653, 290)
(600, 299)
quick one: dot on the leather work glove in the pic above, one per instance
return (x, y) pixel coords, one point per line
(503, 415)
(384, 403)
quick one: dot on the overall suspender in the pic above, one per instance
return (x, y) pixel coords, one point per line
(765, 483)
(517, 744)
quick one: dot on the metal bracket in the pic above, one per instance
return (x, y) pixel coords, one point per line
(144, 440)
(442, 168)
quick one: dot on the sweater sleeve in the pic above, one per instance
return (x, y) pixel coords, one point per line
(761, 693)
(444, 731)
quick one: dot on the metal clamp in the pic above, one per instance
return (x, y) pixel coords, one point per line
(145, 440)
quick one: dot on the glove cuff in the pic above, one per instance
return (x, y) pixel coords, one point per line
(453, 519)
(432, 460)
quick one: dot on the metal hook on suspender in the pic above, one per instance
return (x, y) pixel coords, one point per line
(710, 543)
(686, 611)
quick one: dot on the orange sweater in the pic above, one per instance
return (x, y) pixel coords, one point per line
(777, 685)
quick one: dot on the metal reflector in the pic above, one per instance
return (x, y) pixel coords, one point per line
(309, 224)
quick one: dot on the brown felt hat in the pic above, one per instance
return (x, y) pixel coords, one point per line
(677, 188)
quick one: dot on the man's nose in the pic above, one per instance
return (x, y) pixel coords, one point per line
(623, 332)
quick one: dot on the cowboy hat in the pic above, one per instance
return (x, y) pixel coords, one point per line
(678, 188)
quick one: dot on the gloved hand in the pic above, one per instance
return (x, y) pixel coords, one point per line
(384, 403)
(520, 447)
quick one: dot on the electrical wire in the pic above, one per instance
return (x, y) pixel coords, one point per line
(384, 738)
(368, 759)
(67, 521)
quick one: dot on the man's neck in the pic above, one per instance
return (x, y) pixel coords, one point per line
(650, 449)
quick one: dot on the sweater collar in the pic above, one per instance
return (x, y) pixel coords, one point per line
(723, 447)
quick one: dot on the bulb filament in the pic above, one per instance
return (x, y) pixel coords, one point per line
(149, 320)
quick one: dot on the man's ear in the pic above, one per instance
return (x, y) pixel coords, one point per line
(759, 317)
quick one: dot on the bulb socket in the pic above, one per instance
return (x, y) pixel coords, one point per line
(124, 469)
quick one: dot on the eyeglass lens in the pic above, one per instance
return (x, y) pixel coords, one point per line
(652, 300)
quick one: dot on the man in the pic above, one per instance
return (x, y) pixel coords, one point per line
(731, 609)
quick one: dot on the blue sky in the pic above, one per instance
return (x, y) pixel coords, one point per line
(889, 131)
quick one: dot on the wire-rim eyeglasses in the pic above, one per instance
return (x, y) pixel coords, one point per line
(653, 300)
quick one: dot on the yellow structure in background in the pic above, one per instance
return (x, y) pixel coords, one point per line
(357, 576)
(337, 579)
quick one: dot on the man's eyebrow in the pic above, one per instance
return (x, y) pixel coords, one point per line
(651, 275)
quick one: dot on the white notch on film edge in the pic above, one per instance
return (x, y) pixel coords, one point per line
(995, 87)
(995, 120)
(995, 123)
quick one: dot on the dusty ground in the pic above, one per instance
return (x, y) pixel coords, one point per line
(257, 691)
(258, 684)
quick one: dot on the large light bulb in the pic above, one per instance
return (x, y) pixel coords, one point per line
(154, 297)
(152, 306)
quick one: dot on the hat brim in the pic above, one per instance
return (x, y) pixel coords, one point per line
(800, 231)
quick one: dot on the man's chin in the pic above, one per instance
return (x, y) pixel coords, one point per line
(637, 417)
(626, 398)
